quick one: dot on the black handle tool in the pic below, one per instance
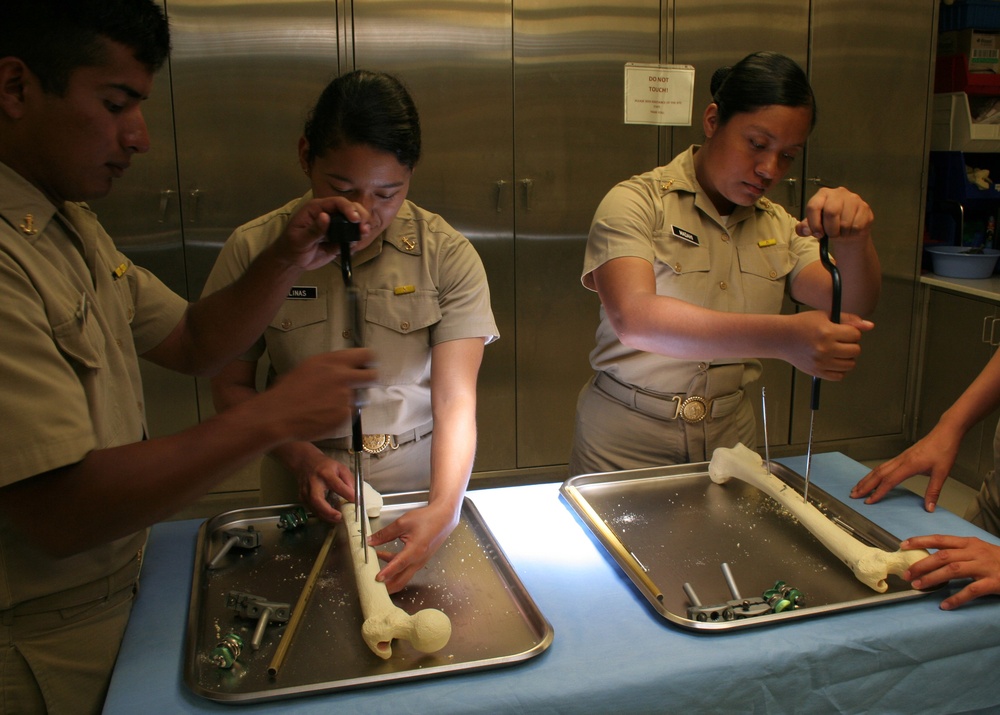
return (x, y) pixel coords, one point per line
(345, 233)
(824, 257)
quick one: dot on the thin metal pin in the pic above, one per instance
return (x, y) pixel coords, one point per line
(357, 433)
(809, 454)
(731, 582)
(763, 410)
(360, 514)
(692, 596)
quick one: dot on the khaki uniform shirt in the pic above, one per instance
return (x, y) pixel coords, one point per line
(419, 283)
(739, 264)
(75, 313)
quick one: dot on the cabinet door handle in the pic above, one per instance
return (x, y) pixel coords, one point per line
(500, 184)
(994, 341)
(165, 195)
(195, 202)
(793, 194)
(528, 184)
(989, 330)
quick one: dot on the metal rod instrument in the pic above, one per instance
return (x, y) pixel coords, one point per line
(300, 605)
(824, 257)
(346, 233)
(763, 417)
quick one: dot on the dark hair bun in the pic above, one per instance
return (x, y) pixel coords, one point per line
(718, 77)
(367, 108)
(759, 80)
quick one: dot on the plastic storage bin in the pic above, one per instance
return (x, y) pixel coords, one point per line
(947, 178)
(957, 262)
(978, 14)
(951, 74)
(953, 130)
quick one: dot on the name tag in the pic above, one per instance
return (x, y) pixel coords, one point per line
(685, 235)
(302, 293)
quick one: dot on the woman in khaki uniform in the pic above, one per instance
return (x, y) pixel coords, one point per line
(423, 307)
(691, 263)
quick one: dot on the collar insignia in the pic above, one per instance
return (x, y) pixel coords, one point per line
(29, 225)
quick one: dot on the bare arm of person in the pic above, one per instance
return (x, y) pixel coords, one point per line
(454, 371)
(935, 453)
(318, 475)
(221, 326)
(668, 326)
(116, 491)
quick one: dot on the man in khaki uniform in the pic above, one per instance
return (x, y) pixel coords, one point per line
(691, 263)
(79, 482)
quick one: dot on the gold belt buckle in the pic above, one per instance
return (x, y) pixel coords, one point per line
(377, 443)
(692, 409)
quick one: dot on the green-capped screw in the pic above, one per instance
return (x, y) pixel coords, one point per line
(226, 651)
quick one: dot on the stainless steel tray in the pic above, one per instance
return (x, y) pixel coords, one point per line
(669, 525)
(494, 620)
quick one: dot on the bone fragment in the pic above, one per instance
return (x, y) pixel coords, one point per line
(428, 630)
(373, 502)
(870, 565)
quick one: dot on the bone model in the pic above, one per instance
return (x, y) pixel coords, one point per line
(870, 565)
(428, 630)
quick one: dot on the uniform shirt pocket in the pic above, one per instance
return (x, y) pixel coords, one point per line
(681, 268)
(680, 255)
(765, 269)
(298, 330)
(78, 336)
(765, 259)
(295, 314)
(398, 329)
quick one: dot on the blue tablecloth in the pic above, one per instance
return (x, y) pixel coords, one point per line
(611, 651)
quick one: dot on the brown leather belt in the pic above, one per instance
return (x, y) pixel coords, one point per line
(378, 443)
(665, 406)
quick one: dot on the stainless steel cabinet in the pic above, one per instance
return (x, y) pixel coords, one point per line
(870, 67)
(708, 36)
(224, 120)
(521, 107)
(142, 214)
(454, 57)
(243, 77)
(960, 334)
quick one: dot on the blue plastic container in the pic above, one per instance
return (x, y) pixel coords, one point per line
(957, 262)
(975, 14)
